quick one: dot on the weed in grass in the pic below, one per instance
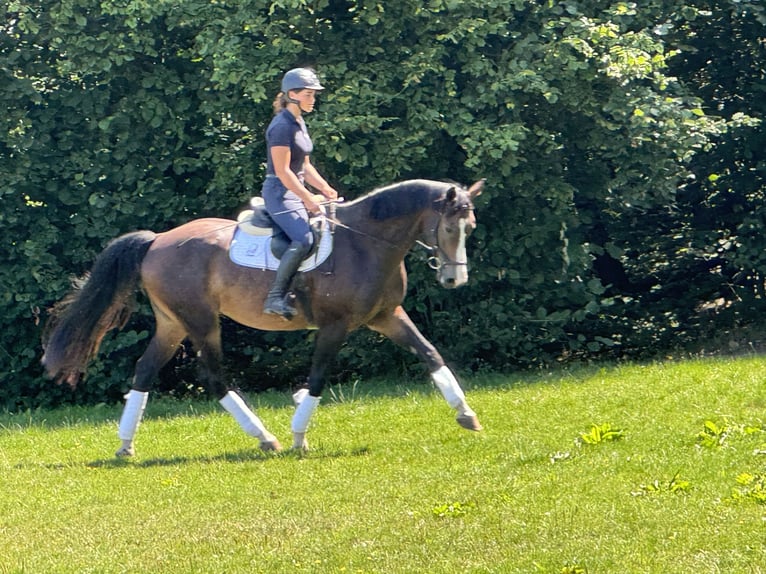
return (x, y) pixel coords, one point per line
(452, 509)
(600, 433)
(753, 487)
(338, 395)
(714, 435)
(675, 485)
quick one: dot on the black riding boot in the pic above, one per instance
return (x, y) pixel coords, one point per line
(276, 302)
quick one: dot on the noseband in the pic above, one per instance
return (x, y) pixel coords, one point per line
(437, 257)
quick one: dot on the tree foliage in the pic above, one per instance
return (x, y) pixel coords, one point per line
(620, 147)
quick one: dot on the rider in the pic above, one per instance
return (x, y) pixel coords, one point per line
(288, 168)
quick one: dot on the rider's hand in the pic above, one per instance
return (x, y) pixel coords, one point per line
(312, 206)
(330, 193)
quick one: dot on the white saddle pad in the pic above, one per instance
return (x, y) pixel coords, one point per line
(255, 250)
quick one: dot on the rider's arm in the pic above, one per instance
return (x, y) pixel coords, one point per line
(317, 181)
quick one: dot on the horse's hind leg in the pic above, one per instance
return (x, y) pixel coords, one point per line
(210, 355)
(401, 330)
(168, 336)
(132, 412)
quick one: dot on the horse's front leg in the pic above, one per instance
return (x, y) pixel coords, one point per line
(229, 398)
(328, 342)
(398, 327)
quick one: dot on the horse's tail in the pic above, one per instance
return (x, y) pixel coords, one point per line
(101, 300)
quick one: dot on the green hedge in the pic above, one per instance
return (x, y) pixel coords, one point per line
(620, 149)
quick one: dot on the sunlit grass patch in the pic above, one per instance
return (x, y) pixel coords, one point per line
(636, 468)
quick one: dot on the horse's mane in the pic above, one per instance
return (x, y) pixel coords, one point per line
(402, 198)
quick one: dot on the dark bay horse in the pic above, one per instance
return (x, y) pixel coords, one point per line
(190, 281)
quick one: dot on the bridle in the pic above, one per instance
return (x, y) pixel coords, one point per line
(438, 257)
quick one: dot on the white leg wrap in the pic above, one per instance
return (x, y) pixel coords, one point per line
(135, 403)
(299, 395)
(246, 418)
(447, 384)
(303, 413)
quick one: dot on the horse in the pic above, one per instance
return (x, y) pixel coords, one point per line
(190, 280)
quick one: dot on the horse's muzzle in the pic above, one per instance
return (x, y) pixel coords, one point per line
(451, 275)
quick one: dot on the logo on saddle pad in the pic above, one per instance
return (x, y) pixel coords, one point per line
(259, 243)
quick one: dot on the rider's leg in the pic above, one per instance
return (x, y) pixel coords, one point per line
(289, 213)
(276, 300)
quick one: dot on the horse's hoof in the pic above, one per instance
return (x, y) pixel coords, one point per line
(469, 422)
(300, 444)
(124, 451)
(271, 446)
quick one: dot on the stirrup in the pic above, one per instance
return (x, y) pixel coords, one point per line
(278, 305)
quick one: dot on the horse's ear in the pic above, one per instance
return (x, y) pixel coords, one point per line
(451, 194)
(476, 188)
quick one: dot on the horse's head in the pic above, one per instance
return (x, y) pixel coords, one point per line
(454, 220)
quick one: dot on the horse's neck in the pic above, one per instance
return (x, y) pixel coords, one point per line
(397, 233)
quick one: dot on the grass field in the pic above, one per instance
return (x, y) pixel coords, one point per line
(655, 468)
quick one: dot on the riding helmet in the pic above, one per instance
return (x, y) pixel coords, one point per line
(300, 78)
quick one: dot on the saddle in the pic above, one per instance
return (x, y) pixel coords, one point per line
(259, 242)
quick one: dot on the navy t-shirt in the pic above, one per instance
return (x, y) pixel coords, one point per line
(285, 130)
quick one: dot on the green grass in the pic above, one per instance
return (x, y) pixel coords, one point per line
(647, 469)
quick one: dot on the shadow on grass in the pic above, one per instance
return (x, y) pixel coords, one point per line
(243, 456)
(239, 457)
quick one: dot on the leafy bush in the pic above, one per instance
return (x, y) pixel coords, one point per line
(587, 119)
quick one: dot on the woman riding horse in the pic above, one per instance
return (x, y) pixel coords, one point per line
(288, 148)
(191, 281)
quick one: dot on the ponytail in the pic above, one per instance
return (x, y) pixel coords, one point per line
(280, 102)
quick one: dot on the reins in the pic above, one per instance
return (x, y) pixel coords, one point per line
(435, 261)
(362, 233)
(330, 218)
